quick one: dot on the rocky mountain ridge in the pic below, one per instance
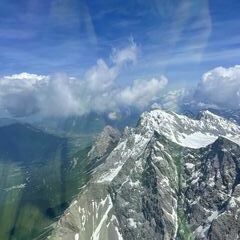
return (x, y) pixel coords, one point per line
(171, 177)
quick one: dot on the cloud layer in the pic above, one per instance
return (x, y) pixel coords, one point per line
(220, 87)
(25, 94)
(142, 92)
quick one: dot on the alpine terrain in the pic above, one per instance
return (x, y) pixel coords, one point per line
(40, 173)
(171, 177)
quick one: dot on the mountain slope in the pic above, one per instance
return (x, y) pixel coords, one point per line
(40, 173)
(162, 182)
(211, 196)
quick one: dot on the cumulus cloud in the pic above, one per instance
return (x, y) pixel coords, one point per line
(26, 94)
(100, 77)
(220, 87)
(99, 81)
(18, 93)
(173, 100)
(142, 92)
(58, 97)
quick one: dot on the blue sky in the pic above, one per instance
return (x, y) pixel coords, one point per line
(181, 39)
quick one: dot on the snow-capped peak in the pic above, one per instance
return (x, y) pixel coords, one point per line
(179, 129)
(189, 132)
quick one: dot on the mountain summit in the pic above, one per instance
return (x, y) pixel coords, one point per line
(171, 177)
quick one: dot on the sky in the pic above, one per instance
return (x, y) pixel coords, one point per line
(136, 43)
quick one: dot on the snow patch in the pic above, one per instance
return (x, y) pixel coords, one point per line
(132, 223)
(189, 165)
(119, 235)
(96, 233)
(134, 184)
(76, 237)
(213, 216)
(196, 140)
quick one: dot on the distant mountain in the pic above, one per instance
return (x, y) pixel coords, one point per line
(91, 123)
(40, 173)
(231, 114)
(171, 177)
(193, 110)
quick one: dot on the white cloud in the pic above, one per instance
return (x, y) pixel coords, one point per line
(129, 54)
(100, 77)
(220, 86)
(21, 82)
(99, 82)
(57, 97)
(60, 95)
(18, 93)
(142, 92)
(27, 77)
(112, 116)
(172, 100)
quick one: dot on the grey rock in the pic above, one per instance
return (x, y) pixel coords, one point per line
(152, 188)
(105, 142)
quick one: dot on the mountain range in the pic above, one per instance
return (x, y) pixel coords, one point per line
(170, 177)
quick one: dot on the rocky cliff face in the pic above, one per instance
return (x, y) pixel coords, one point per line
(171, 177)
